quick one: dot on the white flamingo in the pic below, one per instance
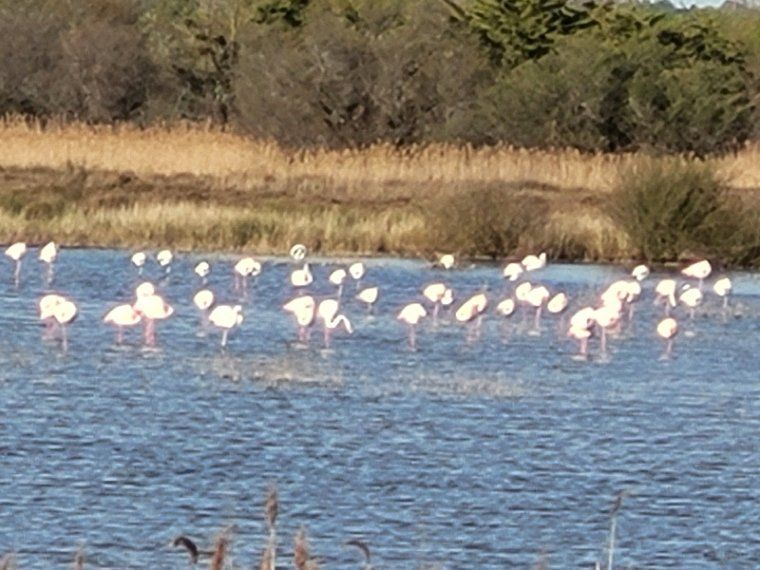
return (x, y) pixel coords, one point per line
(667, 328)
(16, 252)
(122, 316)
(411, 315)
(226, 317)
(48, 255)
(303, 308)
(369, 296)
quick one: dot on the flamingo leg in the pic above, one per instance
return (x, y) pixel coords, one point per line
(412, 337)
(224, 337)
(604, 340)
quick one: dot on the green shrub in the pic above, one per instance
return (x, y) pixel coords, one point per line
(670, 207)
(494, 221)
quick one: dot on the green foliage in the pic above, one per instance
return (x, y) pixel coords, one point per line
(357, 73)
(670, 207)
(542, 73)
(493, 221)
(291, 12)
(514, 31)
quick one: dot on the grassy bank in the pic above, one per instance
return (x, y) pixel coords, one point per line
(189, 187)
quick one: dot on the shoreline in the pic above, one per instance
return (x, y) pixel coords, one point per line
(190, 188)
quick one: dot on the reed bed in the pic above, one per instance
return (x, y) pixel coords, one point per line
(194, 186)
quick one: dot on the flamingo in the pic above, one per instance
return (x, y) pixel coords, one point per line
(411, 314)
(243, 269)
(512, 271)
(533, 262)
(226, 317)
(138, 259)
(446, 261)
(327, 311)
(48, 254)
(581, 325)
(301, 277)
(667, 328)
(304, 310)
(122, 316)
(722, 288)
(434, 293)
(337, 278)
(506, 307)
(640, 272)
(536, 297)
(202, 270)
(607, 317)
(64, 314)
(357, 271)
(16, 252)
(152, 307)
(692, 298)
(521, 295)
(46, 306)
(700, 270)
(472, 311)
(298, 252)
(164, 258)
(203, 300)
(557, 304)
(368, 296)
(666, 291)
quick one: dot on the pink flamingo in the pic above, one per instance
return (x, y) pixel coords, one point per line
(369, 296)
(48, 255)
(122, 316)
(722, 288)
(337, 278)
(471, 311)
(327, 311)
(303, 308)
(700, 270)
(152, 308)
(202, 270)
(692, 298)
(412, 314)
(666, 292)
(435, 293)
(65, 313)
(203, 300)
(668, 329)
(16, 252)
(243, 269)
(534, 262)
(581, 325)
(226, 317)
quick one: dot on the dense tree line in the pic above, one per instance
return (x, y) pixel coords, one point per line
(588, 74)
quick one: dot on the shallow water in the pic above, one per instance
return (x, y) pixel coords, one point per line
(488, 454)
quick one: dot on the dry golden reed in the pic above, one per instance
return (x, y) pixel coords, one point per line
(191, 186)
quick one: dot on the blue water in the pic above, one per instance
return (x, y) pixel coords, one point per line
(487, 454)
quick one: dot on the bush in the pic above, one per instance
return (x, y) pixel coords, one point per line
(671, 207)
(493, 221)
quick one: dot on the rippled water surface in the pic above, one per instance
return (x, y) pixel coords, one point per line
(488, 454)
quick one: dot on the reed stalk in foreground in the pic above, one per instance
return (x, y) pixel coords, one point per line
(271, 508)
(8, 562)
(302, 559)
(220, 552)
(616, 506)
(79, 559)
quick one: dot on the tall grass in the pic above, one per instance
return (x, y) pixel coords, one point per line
(189, 186)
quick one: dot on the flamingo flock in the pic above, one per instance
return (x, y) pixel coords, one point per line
(612, 310)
